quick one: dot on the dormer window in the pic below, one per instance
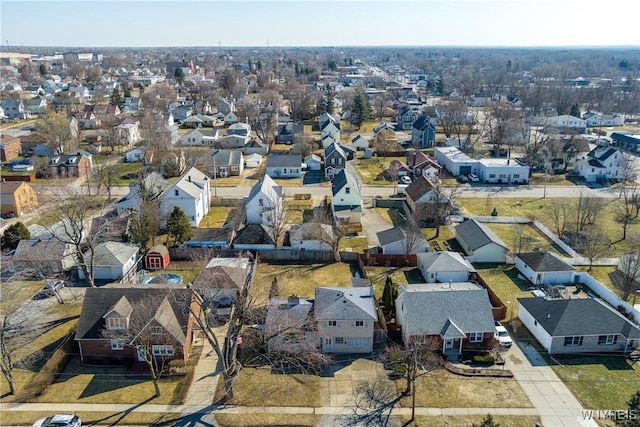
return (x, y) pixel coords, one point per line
(116, 323)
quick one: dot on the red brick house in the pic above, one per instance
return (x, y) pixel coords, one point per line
(157, 258)
(106, 311)
(10, 147)
(71, 165)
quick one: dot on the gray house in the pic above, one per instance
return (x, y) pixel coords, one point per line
(284, 165)
(335, 159)
(423, 132)
(480, 242)
(578, 326)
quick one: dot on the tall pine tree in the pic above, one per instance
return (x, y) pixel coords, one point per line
(360, 110)
(178, 226)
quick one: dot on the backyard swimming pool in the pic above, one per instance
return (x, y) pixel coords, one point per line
(163, 279)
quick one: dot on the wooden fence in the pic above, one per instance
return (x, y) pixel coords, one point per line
(387, 260)
(498, 308)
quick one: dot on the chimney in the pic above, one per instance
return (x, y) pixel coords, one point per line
(293, 299)
(189, 178)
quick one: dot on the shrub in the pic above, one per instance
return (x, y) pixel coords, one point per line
(489, 360)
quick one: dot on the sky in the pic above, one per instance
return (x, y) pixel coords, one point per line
(145, 23)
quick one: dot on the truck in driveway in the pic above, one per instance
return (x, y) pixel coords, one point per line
(402, 189)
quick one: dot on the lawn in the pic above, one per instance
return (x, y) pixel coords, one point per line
(394, 216)
(503, 280)
(401, 275)
(110, 384)
(371, 170)
(442, 389)
(216, 218)
(299, 279)
(354, 244)
(256, 420)
(128, 172)
(468, 420)
(22, 418)
(601, 382)
(522, 238)
(537, 208)
(261, 387)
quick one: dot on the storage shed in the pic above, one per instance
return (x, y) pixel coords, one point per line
(157, 258)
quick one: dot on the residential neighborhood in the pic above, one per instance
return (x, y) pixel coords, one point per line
(318, 236)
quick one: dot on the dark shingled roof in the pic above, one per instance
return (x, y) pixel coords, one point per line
(419, 188)
(391, 235)
(576, 317)
(284, 160)
(544, 261)
(253, 234)
(477, 235)
(166, 302)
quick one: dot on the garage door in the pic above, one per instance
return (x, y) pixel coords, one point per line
(465, 170)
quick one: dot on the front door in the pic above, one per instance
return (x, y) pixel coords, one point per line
(223, 172)
(448, 345)
(326, 344)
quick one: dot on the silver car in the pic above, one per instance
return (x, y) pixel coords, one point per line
(59, 420)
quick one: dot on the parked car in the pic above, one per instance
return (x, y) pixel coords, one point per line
(51, 287)
(474, 178)
(463, 179)
(59, 420)
(502, 335)
(405, 179)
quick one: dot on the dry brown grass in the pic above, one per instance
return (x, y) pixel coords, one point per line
(22, 418)
(261, 387)
(298, 279)
(251, 420)
(466, 421)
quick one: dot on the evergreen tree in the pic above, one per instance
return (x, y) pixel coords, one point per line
(575, 111)
(127, 91)
(487, 422)
(389, 295)
(321, 106)
(329, 98)
(360, 110)
(43, 70)
(13, 234)
(116, 98)
(179, 75)
(634, 409)
(178, 226)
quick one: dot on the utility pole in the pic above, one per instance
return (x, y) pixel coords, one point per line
(215, 180)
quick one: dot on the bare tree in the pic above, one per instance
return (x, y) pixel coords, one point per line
(375, 400)
(277, 219)
(106, 174)
(438, 207)
(413, 236)
(627, 205)
(56, 131)
(559, 212)
(520, 241)
(70, 220)
(157, 97)
(322, 216)
(586, 209)
(144, 223)
(627, 278)
(594, 245)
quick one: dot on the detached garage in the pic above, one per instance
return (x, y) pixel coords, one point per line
(157, 258)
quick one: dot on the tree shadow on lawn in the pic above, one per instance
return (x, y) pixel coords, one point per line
(611, 363)
(106, 383)
(413, 275)
(510, 271)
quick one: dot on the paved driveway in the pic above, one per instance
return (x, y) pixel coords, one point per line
(552, 399)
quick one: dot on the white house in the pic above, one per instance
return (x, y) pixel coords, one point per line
(264, 196)
(443, 266)
(346, 199)
(360, 143)
(503, 171)
(346, 319)
(330, 128)
(480, 242)
(191, 193)
(545, 268)
(200, 137)
(253, 161)
(313, 162)
(455, 161)
(311, 236)
(135, 155)
(394, 241)
(602, 163)
(129, 133)
(112, 260)
(596, 119)
(567, 121)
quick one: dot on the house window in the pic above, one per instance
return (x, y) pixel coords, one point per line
(332, 323)
(347, 190)
(162, 350)
(607, 339)
(359, 324)
(358, 342)
(492, 175)
(339, 340)
(234, 168)
(572, 341)
(284, 171)
(516, 175)
(261, 202)
(156, 330)
(116, 323)
(176, 192)
(117, 344)
(475, 337)
(333, 160)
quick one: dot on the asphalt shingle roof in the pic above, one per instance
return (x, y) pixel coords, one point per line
(443, 261)
(345, 304)
(395, 234)
(477, 235)
(544, 261)
(576, 317)
(437, 312)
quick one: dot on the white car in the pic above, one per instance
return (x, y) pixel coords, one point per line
(59, 420)
(474, 178)
(502, 336)
(404, 179)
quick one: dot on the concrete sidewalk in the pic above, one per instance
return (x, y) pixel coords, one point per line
(553, 401)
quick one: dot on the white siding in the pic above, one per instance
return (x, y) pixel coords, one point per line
(534, 327)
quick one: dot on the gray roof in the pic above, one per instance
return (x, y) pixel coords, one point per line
(166, 302)
(223, 273)
(224, 157)
(288, 313)
(345, 304)
(40, 250)
(445, 312)
(313, 231)
(341, 179)
(577, 317)
(443, 261)
(544, 261)
(263, 185)
(477, 235)
(284, 161)
(392, 235)
(254, 234)
(112, 253)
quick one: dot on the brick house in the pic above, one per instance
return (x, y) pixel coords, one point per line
(10, 147)
(71, 166)
(17, 197)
